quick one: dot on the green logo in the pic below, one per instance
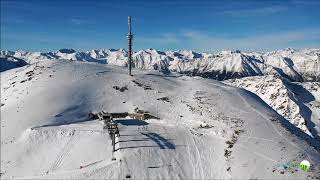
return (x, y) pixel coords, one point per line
(305, 165)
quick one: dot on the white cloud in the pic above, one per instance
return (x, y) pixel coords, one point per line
(76, 21)
(202, 41)
(306, 3)
(262, 11)
(163, 39)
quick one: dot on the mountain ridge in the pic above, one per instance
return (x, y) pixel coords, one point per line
(295, 65)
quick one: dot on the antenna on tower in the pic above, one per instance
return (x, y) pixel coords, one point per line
(130, 36)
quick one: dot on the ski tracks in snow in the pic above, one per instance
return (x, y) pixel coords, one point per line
(65, 151)
(198, 159)
(267, 121)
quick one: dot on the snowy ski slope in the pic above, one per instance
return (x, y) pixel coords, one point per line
(206, 129)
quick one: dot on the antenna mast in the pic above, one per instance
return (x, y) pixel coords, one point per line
(130, 36)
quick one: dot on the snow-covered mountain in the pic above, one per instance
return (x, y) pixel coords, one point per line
(206, 129)
(263, 68)
(297, 102)
(296, 65)
(9, 62)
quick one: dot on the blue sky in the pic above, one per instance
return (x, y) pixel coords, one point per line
(261, 25)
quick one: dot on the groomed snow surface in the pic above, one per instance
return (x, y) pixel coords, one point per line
(206, 129)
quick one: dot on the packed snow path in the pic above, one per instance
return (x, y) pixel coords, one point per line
(206, 129)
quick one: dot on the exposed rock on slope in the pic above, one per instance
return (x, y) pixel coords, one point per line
(297, 102)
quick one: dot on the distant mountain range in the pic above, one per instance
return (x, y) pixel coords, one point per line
(295, 65)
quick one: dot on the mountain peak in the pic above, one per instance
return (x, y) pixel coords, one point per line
(67, 51)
